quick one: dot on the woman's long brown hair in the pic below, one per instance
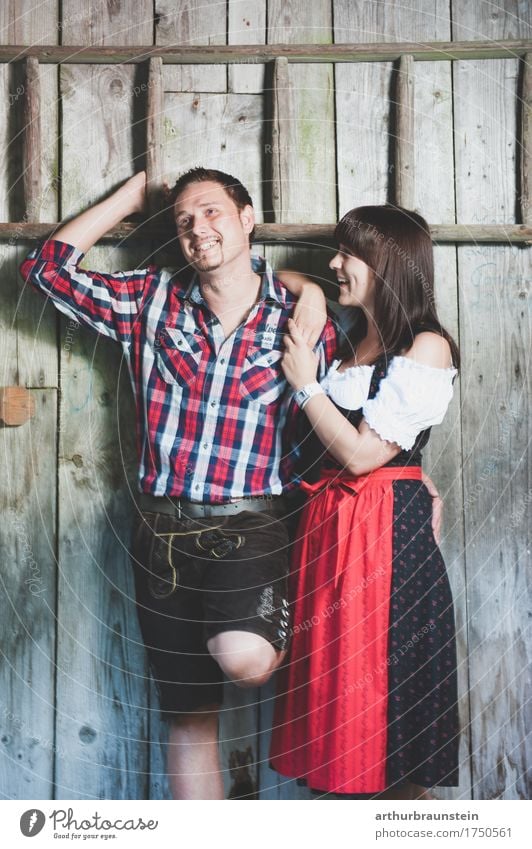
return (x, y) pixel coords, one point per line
(396, 244)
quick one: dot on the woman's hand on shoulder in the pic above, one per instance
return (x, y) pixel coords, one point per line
(299, 362)
(310, 312)
(430, 349)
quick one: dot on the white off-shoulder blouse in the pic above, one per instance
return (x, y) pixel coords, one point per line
(411, 398)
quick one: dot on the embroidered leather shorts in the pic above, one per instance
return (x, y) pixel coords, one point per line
(195, 578)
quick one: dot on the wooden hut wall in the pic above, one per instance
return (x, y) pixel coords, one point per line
(78, 714)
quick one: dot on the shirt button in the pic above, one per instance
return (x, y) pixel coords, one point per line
(222, 361)
(213, 403)
(196, 487)
(205, 444)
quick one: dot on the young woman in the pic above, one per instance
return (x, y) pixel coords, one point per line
(367, 703)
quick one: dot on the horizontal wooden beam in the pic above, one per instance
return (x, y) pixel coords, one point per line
(259, 53)
(315, 234)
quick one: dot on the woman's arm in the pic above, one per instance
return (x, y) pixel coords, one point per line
(310, 312)
(358, 450)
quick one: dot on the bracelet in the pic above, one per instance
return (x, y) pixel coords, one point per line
(303, 395)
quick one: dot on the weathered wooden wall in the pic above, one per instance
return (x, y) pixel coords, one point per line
(78, 716)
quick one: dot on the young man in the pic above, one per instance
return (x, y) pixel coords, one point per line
(210, 548)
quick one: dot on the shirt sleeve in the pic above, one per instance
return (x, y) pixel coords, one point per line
(411, 398)
(107, 303)
(326, 348)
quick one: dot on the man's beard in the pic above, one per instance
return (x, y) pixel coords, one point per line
(206, 264)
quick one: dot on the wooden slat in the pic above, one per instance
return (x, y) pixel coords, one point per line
(102, 679)
(31, 141)
(246, 25)
(154, 132)
(496, 379)
(281, 148)
(526, 142)
(435, 197)
(220, 131)
(367, 176)
(27, 22)
(404, 140)
(303, 171)
(27, 591)
(319, 234)
(28, 464)
(223, 131)
(189, 25)
(223, 54)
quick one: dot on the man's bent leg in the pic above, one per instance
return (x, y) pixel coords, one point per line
(194, 769)
(245, 658)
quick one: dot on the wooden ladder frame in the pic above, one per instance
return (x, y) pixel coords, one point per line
(406, 54)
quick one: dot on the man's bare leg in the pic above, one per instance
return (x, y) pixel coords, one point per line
(194, 769)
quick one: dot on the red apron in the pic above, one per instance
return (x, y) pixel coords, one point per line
(331, 710)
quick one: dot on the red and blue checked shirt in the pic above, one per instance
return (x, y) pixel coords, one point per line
(210, 410)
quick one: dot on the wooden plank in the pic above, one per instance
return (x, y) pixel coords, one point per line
(108, 26)
(434, 187)
(246, 25)
(154, 133)
(102, 679)
(28, 464)
(318, 234)
(495, 339)
(222, 131)
(351, 51)
(31, 141)
(404, 140)
(525, 175)
(187, 23)
(32, 364)
(27, 587)
(303, 172)
(27, 22)
(281, 147)
(367, 175)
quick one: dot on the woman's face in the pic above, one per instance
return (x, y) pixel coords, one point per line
(356, 280)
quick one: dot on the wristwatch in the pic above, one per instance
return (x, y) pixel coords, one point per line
(303, 395)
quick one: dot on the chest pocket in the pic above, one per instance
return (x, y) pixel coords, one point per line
(178, 356)
(262, 377)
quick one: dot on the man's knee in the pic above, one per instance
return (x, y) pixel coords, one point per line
(246, 659)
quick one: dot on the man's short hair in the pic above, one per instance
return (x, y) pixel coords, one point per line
(234, 188)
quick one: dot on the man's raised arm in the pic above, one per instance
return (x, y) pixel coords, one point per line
(107, 303)
(87, 228)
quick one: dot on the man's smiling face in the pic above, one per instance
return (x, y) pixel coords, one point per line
(212, 230)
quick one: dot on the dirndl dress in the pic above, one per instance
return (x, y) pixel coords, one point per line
(368, 696)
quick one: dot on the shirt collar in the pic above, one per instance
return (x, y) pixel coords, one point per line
(271, 289)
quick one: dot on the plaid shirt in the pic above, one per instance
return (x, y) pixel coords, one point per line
(210, 410)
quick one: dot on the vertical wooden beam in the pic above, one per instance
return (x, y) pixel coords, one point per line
(404, 140)
(280, 133)
(28, 463)
(495, 341)
(31, 141)
(154, 141)
(526, 143)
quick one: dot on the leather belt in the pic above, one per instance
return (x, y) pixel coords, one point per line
(180, 508)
